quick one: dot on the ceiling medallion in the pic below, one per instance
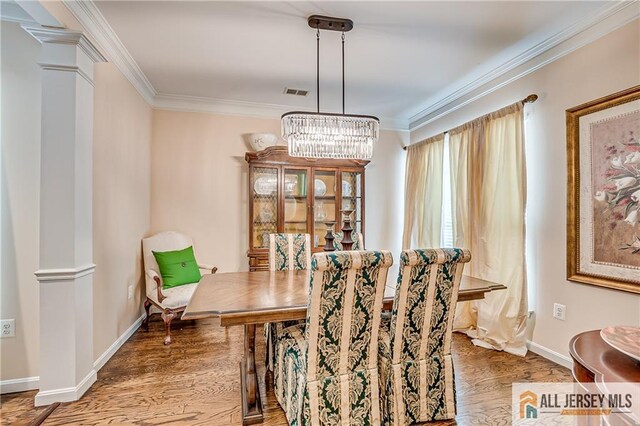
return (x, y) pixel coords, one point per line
(330, 135)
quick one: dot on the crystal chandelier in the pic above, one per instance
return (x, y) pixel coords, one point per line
(329, 135)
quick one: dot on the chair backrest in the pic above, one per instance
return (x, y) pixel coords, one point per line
(424, 305)
(164, 241)
(344, 312)
(358, 243)
(289, 252)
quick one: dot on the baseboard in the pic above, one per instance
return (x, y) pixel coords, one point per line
(106, 356)
(66, 394)
(547, 353)
(19, 385)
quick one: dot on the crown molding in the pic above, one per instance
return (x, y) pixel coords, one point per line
(612, 16)
(13, 12)
(241, 108)
(96, 25)
(606, 20)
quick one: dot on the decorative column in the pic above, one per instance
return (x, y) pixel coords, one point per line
(328, 246)
(66, 229)
(347, 242)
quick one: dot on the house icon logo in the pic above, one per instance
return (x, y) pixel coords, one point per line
(528, 405)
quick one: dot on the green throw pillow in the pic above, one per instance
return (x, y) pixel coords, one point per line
(177, 267)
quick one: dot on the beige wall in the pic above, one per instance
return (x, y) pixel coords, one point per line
(20, 210)
(199, 183)
(608, 65)
(121, 214)
(121, 202)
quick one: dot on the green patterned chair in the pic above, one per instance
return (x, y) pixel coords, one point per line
(289, 252)
(358, 243)
(416, 370)
(327, 368)
(286, 252)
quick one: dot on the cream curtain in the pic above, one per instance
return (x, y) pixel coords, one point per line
(423, 194)
(488, 185)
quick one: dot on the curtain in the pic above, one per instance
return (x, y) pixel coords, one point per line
(423, 194)
(488, 186)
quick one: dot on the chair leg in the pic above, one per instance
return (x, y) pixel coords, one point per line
(167, 316)
(147, 307)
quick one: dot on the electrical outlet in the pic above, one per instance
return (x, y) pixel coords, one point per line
(559, 311)
(8, 328)
(130, 292)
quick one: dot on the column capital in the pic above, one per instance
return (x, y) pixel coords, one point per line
(62, 36)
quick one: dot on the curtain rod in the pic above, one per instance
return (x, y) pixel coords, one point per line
(528, 100)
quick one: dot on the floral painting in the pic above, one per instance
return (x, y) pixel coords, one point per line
(615, 146)
(603, 191)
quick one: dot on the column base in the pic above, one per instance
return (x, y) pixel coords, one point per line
(66, 394)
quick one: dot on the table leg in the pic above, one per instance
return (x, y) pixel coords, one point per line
(251, 405)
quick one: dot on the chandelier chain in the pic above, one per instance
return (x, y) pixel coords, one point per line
(318, 68)
(343, 72)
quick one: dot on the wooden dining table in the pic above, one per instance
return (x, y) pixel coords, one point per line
(251, 298)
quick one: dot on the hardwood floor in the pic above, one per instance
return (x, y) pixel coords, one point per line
(196, 381)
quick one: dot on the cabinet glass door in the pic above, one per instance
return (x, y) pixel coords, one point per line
(324, 203)
(352, 198)
(264, 190)
(296, 184)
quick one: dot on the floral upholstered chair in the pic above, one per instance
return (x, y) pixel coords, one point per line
(416, 370)
(327, 372)
(358, 243)
(286, 252)
(289, 252)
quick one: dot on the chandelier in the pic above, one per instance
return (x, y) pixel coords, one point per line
(329, 135)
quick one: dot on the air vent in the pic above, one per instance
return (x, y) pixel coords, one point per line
(295, 92)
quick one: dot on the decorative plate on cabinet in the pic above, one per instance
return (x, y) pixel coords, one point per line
(265, 185)
(626, 339)
(319, 187)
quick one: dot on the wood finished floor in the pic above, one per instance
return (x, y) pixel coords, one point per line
(196, 381)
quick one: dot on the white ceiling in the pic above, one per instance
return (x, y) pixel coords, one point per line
(400, 56)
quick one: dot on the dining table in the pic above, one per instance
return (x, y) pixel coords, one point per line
(251, 298)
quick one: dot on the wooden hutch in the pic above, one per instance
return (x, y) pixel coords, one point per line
(299, 195)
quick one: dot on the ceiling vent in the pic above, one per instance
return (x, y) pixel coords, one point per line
(296, 92)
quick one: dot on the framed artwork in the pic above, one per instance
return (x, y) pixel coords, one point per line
(603, 199)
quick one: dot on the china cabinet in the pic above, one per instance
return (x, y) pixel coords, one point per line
(299, 195)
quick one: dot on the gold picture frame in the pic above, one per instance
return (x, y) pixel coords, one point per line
(607, 209)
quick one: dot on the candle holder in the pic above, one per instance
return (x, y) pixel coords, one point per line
(347, 242)
(328, 245)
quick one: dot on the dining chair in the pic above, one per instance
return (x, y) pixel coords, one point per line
(358, 243)
(286, 252)
(289, 252)
(416, 370)
(326, 371)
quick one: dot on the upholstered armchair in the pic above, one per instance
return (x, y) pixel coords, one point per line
(326, 370)
(416, 370)
(286, 252)
(358, 243)
(170, 301)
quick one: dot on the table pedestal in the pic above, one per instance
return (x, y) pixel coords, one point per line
(251, 404)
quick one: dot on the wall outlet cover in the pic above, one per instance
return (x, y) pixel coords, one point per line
(8, 328)
(559, 311)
